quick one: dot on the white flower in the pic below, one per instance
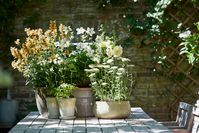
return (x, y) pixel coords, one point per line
(122, 70)
(94, 83)
(109, 52)
(67, 29)
(57, 44)
(96, 59)
(185, 34)
(106, 66)
(90, 31)
(119, 74)
(105, 44)
(51, 69)
(125, 59)
(114, 67)
(95, 70)
(117, 51)
(92, 65)
(92, 75)
(104, 84)
(98, 38)
(61, 27)
(109, 61)
(80, 30)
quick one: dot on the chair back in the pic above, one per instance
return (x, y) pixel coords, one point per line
(194, 122)
(184, 114)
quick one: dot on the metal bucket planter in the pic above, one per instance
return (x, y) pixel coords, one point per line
(84, 102)
(67, 108)
(8, 111)
(41, 102)
(53, 109)
(112, 110)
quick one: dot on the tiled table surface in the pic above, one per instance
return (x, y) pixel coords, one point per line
(138, 122)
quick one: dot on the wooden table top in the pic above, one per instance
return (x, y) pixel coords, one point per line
(138, 121)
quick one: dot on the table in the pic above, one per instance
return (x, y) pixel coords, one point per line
(138, 121)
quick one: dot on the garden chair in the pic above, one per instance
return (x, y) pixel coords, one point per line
(183, 117)
(193, 126)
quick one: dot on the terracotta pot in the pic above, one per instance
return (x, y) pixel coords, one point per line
(84, 102)
(67, 107)
(53, 109)
(41, 103)
(112, 110)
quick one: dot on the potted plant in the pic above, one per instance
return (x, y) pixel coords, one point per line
(52, 104)
(111, 79)
(43, 60)
(67, 104)
(49, 58)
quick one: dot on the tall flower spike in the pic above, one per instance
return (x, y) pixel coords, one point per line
(53, 26)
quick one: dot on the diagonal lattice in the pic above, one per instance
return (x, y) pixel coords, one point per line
(185, 76)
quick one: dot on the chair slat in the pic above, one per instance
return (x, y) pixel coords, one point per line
(182, 118)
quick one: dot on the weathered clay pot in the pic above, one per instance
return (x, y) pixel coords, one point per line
(112, 110)
(53, 108)
(84, 102)
(67, 107)
(41, 103)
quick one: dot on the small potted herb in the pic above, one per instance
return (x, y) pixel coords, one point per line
(66, 103)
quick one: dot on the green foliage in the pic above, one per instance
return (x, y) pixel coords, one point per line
(190, 45)
(64, 90)
(112, 80)
(5, 79)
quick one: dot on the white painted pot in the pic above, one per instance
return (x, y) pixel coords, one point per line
(41, 103)
(112, 110)
(53, 109)
(67, 108)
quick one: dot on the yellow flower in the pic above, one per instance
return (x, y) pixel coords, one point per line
(117, 51)
(15, 52)
(53, 26)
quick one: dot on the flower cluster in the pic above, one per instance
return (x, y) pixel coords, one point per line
(60, 55)
(102, 48)
(48, 59)
(112, 80)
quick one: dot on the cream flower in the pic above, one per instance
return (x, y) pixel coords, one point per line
(17, 42)
(80, 30)
(105, 44)
(117, 51)
(109, 52)
(90, 31)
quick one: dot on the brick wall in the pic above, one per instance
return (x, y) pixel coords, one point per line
(150, 89)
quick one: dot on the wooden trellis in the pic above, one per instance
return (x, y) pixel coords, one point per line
(185, 89)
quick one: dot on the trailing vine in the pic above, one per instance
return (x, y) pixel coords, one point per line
(160, 32)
